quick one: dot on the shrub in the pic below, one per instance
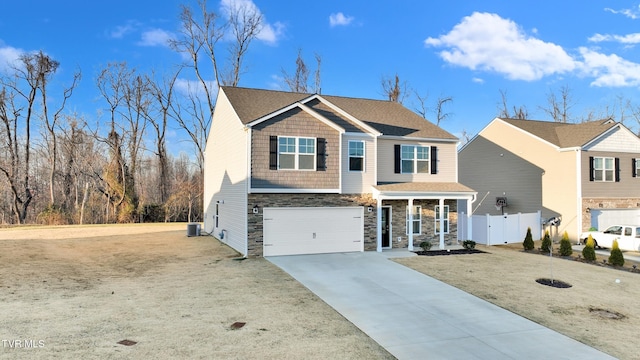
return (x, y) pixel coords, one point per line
(425, 245)
(616, 258)
(469, 244)
(53, 215)
(589, 251)
(528, 240)
(546, 243)
(565, 245)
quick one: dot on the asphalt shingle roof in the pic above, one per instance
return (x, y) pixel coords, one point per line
(564, 134)
(389, 118)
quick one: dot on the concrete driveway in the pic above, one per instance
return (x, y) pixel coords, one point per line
(414, 316)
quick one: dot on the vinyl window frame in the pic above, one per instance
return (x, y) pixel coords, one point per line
(301, 148)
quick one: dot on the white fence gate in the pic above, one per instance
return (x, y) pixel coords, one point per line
(500, 229)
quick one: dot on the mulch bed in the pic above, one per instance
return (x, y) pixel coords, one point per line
(554, 283)
(449, 252)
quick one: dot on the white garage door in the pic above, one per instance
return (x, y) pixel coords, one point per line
(310, 230)
(603, 218)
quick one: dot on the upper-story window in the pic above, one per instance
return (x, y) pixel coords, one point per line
(603, 169)
(356, 155)
(296, 153)
(414, 159)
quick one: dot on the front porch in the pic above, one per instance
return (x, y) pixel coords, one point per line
(418, 207)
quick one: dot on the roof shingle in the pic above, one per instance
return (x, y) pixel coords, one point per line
(389, 118)
(563, 134)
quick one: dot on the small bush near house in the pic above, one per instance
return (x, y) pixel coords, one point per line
(469, 244)
(565, 245)
(616, 258)
(589, 251)
(528, 240)
(546, 243)
(425, 245)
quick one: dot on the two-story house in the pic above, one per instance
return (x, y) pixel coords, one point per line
(292, 173)
(586, 174)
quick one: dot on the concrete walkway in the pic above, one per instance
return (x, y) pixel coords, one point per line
(414, 316)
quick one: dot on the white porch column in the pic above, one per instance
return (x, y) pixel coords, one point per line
(469, 221)
(441, 205)
(410, 223)
(379, 225)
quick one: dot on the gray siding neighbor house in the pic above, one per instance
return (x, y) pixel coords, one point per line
(578, 172)
(292, 173)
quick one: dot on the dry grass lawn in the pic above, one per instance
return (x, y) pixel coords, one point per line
(506, 276)
(75, 292)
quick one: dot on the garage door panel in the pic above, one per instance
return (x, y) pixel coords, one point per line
(289, 231)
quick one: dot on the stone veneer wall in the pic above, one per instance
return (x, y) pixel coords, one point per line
(605, 203)
(398, 215)
(427, 233)
(255, 235)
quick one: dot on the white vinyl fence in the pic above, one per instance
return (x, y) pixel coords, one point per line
(499, 229)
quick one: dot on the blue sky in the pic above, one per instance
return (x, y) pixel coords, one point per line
(469, 50)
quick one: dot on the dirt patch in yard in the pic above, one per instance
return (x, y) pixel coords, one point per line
(149, 291)
(507, 277)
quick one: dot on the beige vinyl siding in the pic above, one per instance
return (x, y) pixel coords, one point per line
(559, 180)
(357, 182)
(496, 172)
(447, 162)
(628, 187)
(226, 176)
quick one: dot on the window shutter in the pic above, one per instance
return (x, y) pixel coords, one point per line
(633, 168)
(396, 159)
(434, 159)
(617, 169)
(273, 153)
(591, 168)
(321, 161)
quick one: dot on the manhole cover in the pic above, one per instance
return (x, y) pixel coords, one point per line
(127, 342)
(554, 283)
(607, 314)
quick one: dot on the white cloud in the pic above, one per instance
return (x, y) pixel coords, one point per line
(609, 70)
(156, 37)
(269, 33)
(120, 31)
(624, 39)
(484, 41)
(339, 19)
(630, 13)
(478, 80)
(9, 58)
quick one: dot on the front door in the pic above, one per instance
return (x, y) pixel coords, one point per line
(386, 227)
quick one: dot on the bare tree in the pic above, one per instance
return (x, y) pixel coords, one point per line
(245, 22)
(394, 89)
(298, 81)
(318, 81)
(18, 106)
(518, 112)
(441, 115)
(422, 109)
(163, 96)
(558, 106)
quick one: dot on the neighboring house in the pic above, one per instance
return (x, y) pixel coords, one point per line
(583, 173)
(291, 173)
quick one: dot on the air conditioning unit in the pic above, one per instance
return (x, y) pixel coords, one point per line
(193, 229)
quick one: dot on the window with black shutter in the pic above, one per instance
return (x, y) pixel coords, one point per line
(434, 159)
(273, 153)
(321, 156)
